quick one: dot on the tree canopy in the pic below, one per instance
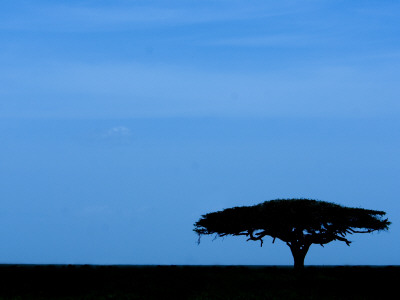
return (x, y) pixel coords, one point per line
(297, 222)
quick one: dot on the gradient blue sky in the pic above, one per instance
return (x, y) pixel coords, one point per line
(122, 122)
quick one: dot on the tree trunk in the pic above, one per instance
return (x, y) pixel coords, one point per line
(299, 254)
(298, 260)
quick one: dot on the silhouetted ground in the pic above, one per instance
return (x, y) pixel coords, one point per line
(197, 282)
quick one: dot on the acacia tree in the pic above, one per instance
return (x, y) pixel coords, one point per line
(297, 222)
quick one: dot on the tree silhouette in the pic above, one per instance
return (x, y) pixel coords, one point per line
(297, 222)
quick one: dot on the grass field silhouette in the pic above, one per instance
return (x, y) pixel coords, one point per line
(197, 282)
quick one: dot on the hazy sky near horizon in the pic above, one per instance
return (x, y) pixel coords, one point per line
(122, 122)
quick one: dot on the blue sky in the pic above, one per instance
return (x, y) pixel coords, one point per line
(122, 122)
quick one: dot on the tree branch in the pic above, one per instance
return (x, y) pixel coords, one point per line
(343, 240)
(359, 231)
(258, 238)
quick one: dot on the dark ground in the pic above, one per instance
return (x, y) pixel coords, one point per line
(197, 282)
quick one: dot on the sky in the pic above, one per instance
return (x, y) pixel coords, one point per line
(122, 122)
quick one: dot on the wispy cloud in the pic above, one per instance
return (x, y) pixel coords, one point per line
(74, 17)
(134, 90)
(119, 131)
(267, 41)
(117, 135)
